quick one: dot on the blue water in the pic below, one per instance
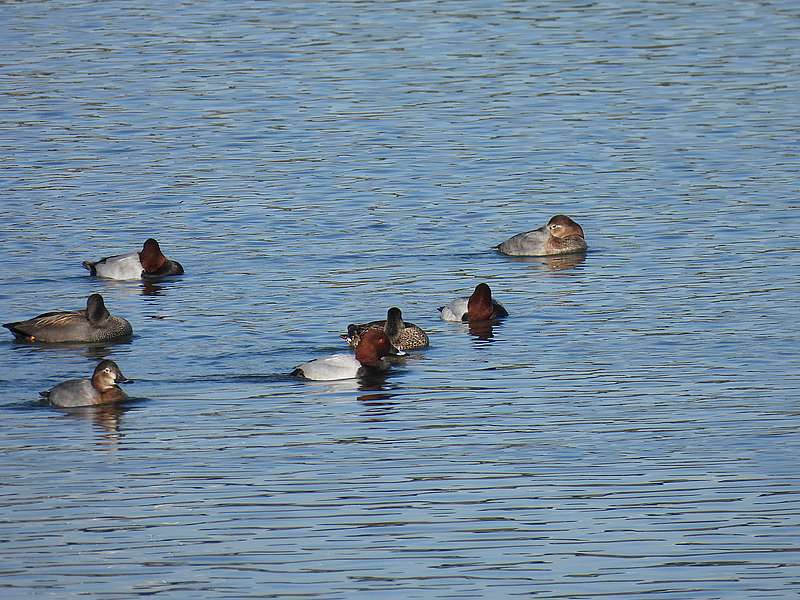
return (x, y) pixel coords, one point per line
(631, 429)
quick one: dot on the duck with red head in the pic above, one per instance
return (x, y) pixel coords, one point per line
(372, 349)
(149, 263)
(480, 306)
(561, 235)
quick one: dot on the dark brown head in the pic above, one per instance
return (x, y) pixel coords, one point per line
(373, 347)
(151, 257)
(106, 375)
(96, 311)
(479, 306)
(561, 226)
(394, 322)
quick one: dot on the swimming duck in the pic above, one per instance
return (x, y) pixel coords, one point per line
(94, 324)
(100, 389)
(148, 263)
(369, 356)
(561, 235)
(402, 335)
(480, 306)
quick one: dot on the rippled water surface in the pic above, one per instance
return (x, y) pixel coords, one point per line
(630, 431)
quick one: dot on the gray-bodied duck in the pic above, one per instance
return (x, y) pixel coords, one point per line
(93, 324)
(561, 235)
(102, 388)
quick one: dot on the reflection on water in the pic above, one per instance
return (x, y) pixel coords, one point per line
(377, 406)
(314, 163)
(106, 417)
(550, 263)
(373, 379)
(483, 330)
(95, 351)
(152, 287)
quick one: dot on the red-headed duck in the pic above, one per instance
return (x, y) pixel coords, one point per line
(100, 389)
(369, 355)
(94, 324)
(148, 263)
(480, 306)
(402, 335)
(561, 235)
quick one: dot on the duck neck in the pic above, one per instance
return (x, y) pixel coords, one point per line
(96, 312)
(101, 383)
(394, 325)
(368, 355)
(152, 259)
(480, 307)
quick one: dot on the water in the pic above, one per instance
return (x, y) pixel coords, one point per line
(630, 430)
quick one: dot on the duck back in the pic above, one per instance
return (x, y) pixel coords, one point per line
(529, 243)
(121, 266)
(74, 392)
(329, 368)
(70, 327)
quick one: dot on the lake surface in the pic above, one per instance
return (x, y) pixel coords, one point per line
(630, 431)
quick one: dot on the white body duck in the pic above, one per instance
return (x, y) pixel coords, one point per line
(369, 355)
(150, 262)
(480, 306)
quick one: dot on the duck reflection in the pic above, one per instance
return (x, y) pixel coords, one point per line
(152, 287)
(378, 401)
(106, 416)
(551, 263)
(92, 351)
(373, 380)
(377, 406)
(483, 331)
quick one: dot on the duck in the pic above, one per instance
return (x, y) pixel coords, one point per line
(148, 263)
(561, 235)
(93, 324)
(374, 346)
(480, 306)
(102, 388)
(402, 335)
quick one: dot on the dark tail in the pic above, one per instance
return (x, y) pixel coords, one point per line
(12, 327)
(88, 265)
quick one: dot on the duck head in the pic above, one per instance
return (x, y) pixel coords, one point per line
(151, 256)
(561, 226)
(373, 347)
(96, 311)
(394, 322)
(479, 306)
(107, 374)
